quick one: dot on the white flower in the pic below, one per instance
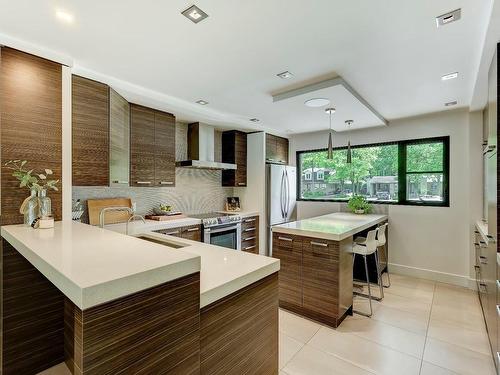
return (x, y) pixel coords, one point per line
(48, 171)
(42, 176)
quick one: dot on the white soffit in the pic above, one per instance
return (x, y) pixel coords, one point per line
(347, 102)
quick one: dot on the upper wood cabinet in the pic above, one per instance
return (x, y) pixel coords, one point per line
(119, 139)
(90, 132)
(152, 147)
(276, 149)
(234, 151)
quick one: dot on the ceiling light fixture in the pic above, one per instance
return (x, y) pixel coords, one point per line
(449, 17)
(449, 76)
(450, 104)
(285, 75)
(202, 102)
(330, 111)
(317, 102)
(64, 16)
(194, 14)
(349, 152)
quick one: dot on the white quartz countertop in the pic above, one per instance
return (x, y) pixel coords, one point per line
(336, 226)
(243, 214)
(92, 265)
(224, 271)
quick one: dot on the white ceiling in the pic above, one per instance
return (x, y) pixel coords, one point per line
(389, 51)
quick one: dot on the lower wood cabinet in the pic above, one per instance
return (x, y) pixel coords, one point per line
(191, 232)
(315, 278)
(250, 234)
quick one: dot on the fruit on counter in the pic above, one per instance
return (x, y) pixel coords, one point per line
(165, 207)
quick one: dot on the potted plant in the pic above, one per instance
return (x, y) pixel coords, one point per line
(37, 184)
(359, 205)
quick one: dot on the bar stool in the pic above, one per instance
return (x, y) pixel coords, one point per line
(381, 241)
(364, 247)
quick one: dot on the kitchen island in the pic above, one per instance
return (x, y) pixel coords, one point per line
(316, 276)
(104, 302)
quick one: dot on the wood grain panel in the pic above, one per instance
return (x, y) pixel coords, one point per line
(90, 132)
(250, 234)
(31, 124)
(239, 333)
(290, 276)
(164, 149)
(155, 331)
(31, 319)
(192, 232)
(142, 145)
(234, 151)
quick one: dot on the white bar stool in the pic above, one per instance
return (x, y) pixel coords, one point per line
(364, 247)
(381, 241)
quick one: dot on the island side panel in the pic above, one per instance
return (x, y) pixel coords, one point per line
(239, 333)
(32, 317)
(153, 331)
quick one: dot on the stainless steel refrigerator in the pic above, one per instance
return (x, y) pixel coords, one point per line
(281, 190)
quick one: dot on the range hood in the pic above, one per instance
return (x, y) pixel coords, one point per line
(201, 151)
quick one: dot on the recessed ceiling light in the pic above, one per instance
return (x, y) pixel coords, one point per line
(285, 75)
(317, 102)
(449, 76)
(202, 102)
(450, 104)
(254, 119)
(64, 16)
(449, 17)
(195, 14)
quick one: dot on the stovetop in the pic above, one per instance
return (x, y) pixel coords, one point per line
(216, 218)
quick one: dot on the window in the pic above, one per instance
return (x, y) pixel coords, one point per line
(405, 172)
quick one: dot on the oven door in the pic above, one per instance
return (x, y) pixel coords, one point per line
(225, 235)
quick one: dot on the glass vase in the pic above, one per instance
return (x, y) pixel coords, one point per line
(44, 204)
(29, 209)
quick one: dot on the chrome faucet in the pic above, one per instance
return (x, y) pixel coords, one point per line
(132, 218)
(106, 209)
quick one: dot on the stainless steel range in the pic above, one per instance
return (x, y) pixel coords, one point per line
(221, 229)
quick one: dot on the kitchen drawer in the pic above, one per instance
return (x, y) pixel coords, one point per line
(192, 232)
(177, 232)
(320, 269)
(250, 246)
(250, 222)
(288, 249)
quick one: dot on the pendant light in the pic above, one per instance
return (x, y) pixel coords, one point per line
(330, 111)
(349, 152)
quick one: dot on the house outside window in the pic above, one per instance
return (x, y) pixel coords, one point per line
(320, 176)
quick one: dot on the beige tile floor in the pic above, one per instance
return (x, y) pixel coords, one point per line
(421, 327)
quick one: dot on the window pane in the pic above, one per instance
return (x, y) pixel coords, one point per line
(373, 174)
(424, 187)
(425, 157)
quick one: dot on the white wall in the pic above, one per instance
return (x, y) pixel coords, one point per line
(430, 242)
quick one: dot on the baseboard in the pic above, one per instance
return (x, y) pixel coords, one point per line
(443, 277)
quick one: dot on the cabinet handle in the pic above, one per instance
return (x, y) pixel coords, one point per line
(319, 244)
(285, 239)
(166, 183)
(120, 182)
(249, 247)
(242, 183)
(172, 233)
(249, 238)
(143, 182)
(193, 229)
(249, 229)
(248, 220)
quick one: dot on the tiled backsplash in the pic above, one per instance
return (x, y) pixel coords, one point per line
(196, 190)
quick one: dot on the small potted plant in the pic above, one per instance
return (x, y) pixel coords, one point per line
(359, 205)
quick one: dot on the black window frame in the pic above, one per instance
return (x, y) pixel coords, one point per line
(402, 173)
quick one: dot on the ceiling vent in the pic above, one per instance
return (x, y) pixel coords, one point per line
(449, 17)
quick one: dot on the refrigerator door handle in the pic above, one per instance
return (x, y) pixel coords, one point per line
(287, 200)
(282, 187)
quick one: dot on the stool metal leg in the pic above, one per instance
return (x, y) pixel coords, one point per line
(379, 275)
(387, 268)
(369, 292)
(368, 281)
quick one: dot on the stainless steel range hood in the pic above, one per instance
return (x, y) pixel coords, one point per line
(201, 151)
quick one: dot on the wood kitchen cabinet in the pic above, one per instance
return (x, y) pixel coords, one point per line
(191, 232)
(234, 151)
(152, 147)
(315, 278)
(276, 149)
(90, 132)
(250, 234)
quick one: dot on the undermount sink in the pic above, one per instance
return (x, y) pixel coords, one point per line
(162, 241)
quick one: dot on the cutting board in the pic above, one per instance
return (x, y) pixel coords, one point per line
(95, 206)
(165, 217)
